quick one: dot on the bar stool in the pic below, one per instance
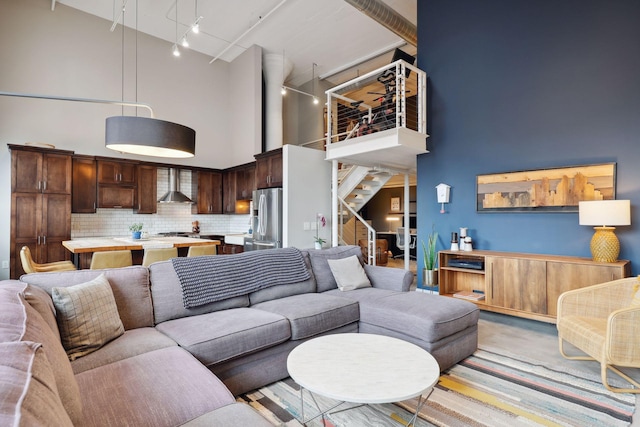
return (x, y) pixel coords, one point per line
(111, 259)
(202, 250)
(30, 266)
(152, 255)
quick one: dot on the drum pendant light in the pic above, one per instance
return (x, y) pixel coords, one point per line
(149, 137)
(146, 135)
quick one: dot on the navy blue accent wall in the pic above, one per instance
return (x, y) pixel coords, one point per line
(518, 85)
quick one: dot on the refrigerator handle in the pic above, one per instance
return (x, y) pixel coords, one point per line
(262, 215)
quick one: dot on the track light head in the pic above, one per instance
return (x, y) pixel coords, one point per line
(176, 51)
(316, 101)
(283, 91)
(185, 42)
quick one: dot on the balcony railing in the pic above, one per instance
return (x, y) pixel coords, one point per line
(393, 96)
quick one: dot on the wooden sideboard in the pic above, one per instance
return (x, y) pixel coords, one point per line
(523, 285)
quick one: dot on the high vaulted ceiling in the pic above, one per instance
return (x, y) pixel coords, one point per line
(329, 33)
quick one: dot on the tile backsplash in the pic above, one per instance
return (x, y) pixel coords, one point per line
(170, 217)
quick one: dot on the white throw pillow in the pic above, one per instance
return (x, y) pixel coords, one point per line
(348, 273)
(87, 316)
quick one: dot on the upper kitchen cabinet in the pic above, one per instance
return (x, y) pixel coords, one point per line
(206, 187)
(229, 183)
(84, 186)
(147, 190)
(40, 172)
(40, 204)
(116, 183)
(238, 186)
(245, 181)
(119, 172)
(269, 169)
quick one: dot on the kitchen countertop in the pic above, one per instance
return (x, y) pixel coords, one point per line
(93, 244)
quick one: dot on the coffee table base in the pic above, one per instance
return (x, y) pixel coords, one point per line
(411, 423)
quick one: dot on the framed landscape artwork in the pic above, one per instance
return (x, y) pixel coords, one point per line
(545, 190)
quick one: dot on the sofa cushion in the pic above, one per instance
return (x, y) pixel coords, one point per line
(165, 387)
(234, 415)
(324, 278)
(21, 322)
(313, 314)
(349, 273)
(274, 292)
(222, 335)
(28, 392)
(87, 316)
(167, 296)
(422, 316)
(131, 343)
(130, 286)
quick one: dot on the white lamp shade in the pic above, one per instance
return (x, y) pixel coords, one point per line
(605, 212)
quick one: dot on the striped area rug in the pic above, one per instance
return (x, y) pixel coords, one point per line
(486, 389)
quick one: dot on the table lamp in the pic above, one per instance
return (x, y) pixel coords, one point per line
(605, 246)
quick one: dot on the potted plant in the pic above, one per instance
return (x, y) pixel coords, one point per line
(321, 222)
(430, 259)
(136, 230)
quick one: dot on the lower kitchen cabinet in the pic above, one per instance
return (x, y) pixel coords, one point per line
(523, 285)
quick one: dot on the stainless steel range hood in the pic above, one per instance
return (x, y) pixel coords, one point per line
(174, 195)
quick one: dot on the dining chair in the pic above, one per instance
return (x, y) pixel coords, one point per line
(111, 259)
(152, 255)
(202, 250)
(30, 266)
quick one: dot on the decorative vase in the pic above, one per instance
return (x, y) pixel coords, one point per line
(429, 277)
(318, 245)
(136, 234)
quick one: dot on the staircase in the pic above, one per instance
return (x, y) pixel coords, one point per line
(358, 184)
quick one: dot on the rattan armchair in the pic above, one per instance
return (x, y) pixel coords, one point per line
(604, 323)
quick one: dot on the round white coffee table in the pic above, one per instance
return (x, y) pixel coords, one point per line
(363, 368)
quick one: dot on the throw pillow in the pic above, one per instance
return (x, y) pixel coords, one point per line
(324, 279)
(87, 316)
(348, 273)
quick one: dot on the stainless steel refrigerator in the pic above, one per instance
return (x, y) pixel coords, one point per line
(266, 219)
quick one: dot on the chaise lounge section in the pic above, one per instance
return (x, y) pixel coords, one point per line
(182, 366)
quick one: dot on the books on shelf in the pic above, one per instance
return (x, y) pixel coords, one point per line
(470, 295)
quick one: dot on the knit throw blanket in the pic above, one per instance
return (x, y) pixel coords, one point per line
(206, 279)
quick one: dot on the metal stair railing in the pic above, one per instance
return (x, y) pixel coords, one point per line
(371, 232)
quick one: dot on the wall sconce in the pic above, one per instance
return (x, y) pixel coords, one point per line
(605, 246)
(442, 191)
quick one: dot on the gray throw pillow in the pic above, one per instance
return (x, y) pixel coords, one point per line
(348, 273)
(87, 316)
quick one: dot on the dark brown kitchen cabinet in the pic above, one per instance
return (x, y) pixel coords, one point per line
(207, 189)
(84, 185)
(245, 181)
(40, 204)
(269, 169)
(116, 183)
(116, 172)
(229, 183)
(147, 189)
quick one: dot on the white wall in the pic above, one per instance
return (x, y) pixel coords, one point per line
(245, 106)
(305, 198)
(73, 54)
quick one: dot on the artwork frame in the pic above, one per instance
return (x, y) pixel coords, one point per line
(556, 189)
(395, 204)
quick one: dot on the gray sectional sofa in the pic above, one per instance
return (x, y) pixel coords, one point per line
(182, 366)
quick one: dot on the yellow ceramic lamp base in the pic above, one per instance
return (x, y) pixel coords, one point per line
(605, 246)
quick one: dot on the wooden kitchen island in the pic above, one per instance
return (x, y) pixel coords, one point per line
(83, 248)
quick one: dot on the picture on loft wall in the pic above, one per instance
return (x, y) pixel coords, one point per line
(545, 190)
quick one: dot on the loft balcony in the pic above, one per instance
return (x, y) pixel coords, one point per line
(378, 120)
